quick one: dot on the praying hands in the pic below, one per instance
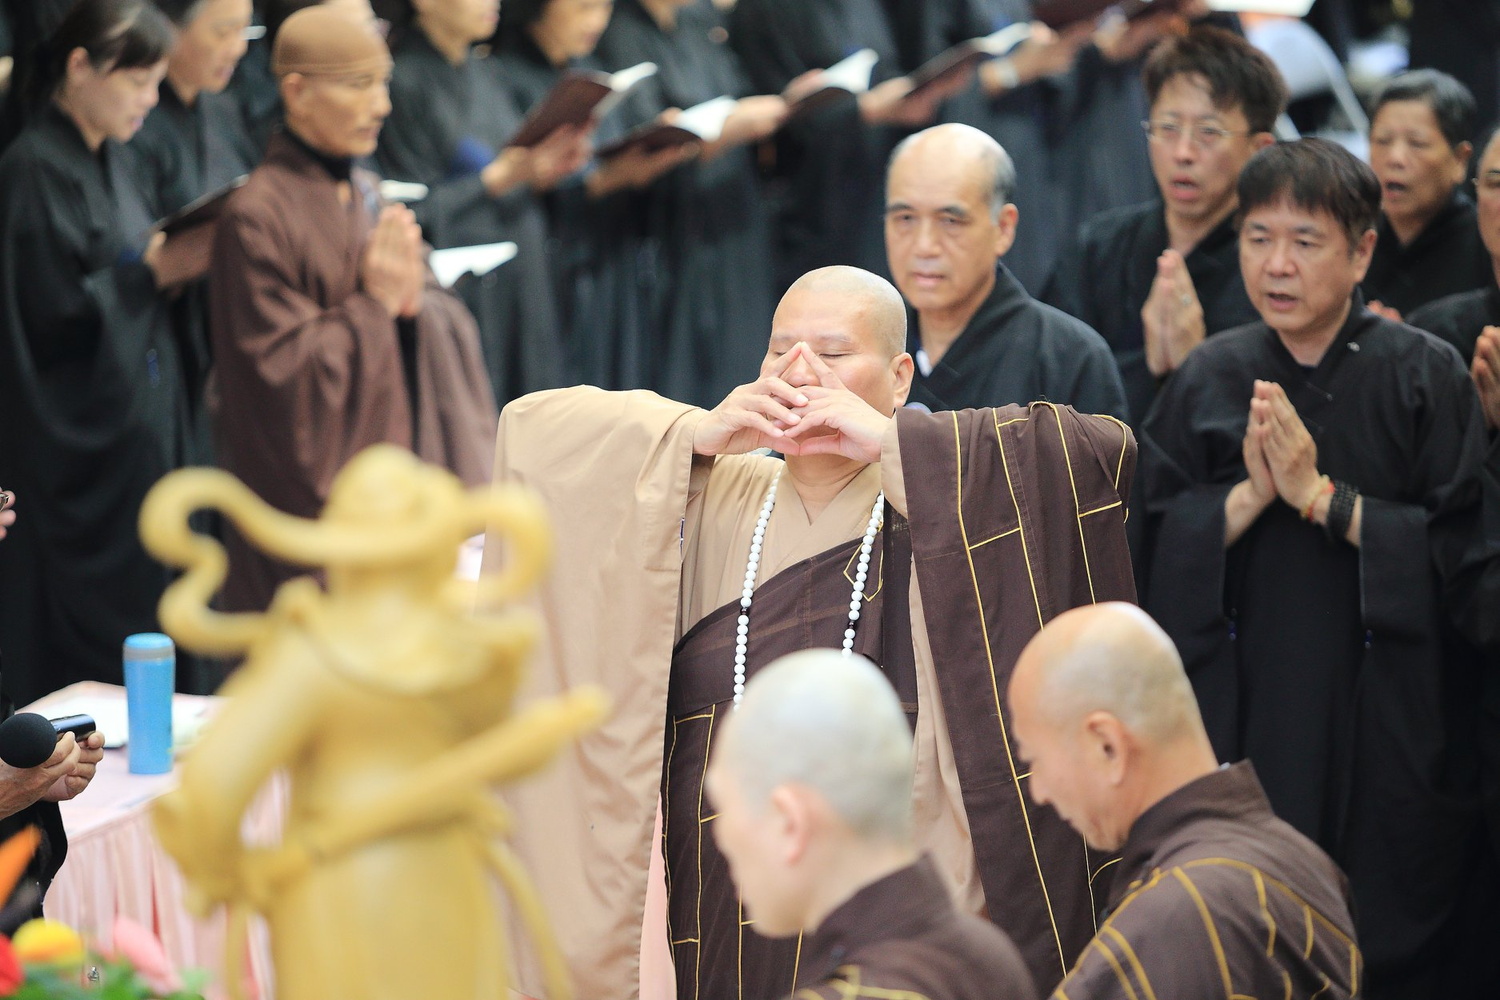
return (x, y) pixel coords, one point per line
(1172, 316)
(1486, 374)
(799, 406)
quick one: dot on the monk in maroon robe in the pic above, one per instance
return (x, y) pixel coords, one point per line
(328, 335)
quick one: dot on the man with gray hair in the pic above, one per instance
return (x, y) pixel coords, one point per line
(1214, 895)
(811, 780)
(977, 337)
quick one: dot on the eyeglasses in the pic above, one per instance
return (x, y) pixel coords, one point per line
(1201, 136)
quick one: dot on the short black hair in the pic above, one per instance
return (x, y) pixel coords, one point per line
(1317, 176)
(1451, 102)
(1239, 75)
(116, 34)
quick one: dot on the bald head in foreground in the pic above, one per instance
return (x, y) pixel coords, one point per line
(1213, 895)
(811, 780)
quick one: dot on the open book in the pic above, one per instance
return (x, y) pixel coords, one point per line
(847, 76)
(963, 57)
(699, 123)
(451, 264)
(205, 208)
(580, 96)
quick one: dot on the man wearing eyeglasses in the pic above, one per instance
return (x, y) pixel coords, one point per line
(1314, 520)
(1156, 278)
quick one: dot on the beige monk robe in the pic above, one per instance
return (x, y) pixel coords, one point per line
(651, 539)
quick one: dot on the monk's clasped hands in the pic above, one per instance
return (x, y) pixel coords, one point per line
(798, 406)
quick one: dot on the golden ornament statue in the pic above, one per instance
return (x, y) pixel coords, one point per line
(388, 699)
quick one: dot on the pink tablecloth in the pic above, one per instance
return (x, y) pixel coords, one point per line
(115, 865)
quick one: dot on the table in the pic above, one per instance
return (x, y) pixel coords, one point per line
(116, 868)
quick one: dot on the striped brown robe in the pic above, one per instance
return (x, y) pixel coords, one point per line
(1015, 515)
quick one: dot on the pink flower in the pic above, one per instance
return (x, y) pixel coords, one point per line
(141, 949)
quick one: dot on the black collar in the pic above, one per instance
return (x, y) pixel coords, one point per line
(340, 168)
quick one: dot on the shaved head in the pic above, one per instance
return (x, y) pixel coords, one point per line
(1104, 714)
(831, 723)
(1111, 658)
(964, 148)
(868, 299)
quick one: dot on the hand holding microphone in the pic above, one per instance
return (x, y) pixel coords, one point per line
(46, 759)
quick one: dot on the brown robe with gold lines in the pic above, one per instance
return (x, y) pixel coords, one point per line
(1216, 897)
(1015, 515)
(901, 936)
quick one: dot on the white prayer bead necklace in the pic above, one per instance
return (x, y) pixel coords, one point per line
(752, 570)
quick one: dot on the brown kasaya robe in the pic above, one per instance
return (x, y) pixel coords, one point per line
(310, 369)
(1015, 515)
(901, 936)
(1216, 897)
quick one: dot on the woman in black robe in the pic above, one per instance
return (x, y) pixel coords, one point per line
(708, 216)
(828, 182)
(1421, 138)
(89, 371)
(450, 119)
(605, 259)
(193, 142)
(1460, 318)
(1019, 101)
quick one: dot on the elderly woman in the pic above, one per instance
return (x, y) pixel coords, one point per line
(1470, 321)
(90, 381)
(1421, 139)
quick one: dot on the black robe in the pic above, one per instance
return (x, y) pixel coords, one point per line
(1016, 350)
(1215, 895)
(1099, 155)
(1445, 258)
(90, 411)
(829, 180)
(446, 124)
(605, 262)
(1332, 667)
(708, 217)
(1460, 37)
(1023, 121)
(902, 936)
(1109, 279)
(1460, 319)
(181, 153)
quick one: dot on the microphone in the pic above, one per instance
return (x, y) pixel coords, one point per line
(28, 739)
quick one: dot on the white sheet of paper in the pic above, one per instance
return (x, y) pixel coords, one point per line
(402, 191)
(452, 264)
(1291, 8)
(852, 73)
(706, 120)
(620, 83)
